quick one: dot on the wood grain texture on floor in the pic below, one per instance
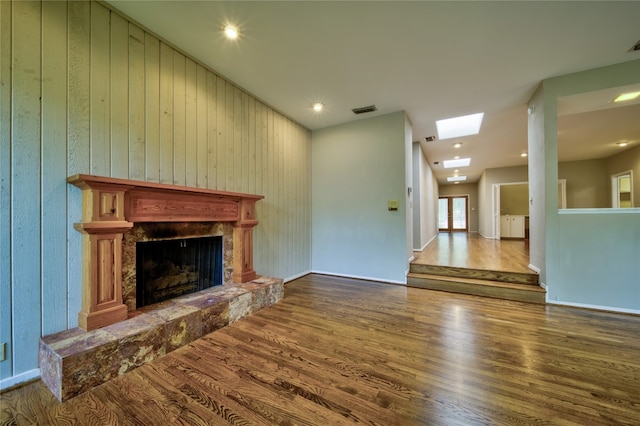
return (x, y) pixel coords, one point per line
(339, 351)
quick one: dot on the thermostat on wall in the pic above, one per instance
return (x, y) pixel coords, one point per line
(393, 205)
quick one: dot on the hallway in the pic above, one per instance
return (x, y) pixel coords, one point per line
(467, 263)
(470, 250)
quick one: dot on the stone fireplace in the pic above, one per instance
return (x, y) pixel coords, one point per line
(181, 239)
(115, 335)
(111, 208)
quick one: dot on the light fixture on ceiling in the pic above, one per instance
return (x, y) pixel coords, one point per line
(465, 125)
(459, 162)
(318, 106)
(627, 97)
(456, 178)
(456, 157)
(524, 154)
(621, 144)
(458, 145)
(231, 31)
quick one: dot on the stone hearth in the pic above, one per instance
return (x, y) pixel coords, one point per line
(74, 361)
(113, 336)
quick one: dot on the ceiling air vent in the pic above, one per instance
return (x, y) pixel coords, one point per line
(635, 47)
(430, 138)
(363, 110)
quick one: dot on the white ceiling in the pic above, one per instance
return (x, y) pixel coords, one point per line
(432, 59)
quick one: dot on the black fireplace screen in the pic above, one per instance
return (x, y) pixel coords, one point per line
(171, 268)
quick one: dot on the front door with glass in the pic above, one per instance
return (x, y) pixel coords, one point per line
(452, 213)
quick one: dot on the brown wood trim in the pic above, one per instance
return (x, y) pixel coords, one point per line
(111, 206)
(84, 181)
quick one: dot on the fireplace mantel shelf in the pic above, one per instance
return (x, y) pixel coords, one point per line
(110, 206)
(84, 181)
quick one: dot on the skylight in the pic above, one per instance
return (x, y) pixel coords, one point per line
(461, 162)
(627, 97)
(459, 126)
(456, 178)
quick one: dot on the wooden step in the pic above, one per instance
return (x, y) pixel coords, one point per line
(479, 287)
(483, 274)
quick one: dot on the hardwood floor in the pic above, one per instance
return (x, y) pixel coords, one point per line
(470, 250)
(341, 351)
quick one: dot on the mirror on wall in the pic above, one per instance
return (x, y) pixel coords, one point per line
(599, 149)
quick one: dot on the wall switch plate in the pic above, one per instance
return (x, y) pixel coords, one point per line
(3, 351)
(393, 205)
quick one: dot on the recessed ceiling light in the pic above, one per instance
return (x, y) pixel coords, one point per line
(456, 157)
(460, 162)
(627, 97)
(456, 178)
(458, 145)
(524, 154)
(459, 126)
(318, 106)
(622, 143)
(231, 32)
(456, 171)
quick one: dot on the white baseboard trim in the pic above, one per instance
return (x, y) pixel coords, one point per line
(426, 244)
(295, 277)
(412, 258)
(19, 379)
(485, 237)
(359, 277)
(534, 268)
(543, 285)
(595, 307)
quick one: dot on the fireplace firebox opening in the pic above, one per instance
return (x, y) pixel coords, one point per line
(166, 269)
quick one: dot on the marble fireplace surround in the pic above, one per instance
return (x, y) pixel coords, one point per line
(107, 345)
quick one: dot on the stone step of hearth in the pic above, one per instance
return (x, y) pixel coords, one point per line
(74, 361)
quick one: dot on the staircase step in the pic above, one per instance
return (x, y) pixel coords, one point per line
(479, 287)
(483, 274)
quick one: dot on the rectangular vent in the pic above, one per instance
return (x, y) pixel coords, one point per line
(635, 47)
(430, 138)
(363, 110)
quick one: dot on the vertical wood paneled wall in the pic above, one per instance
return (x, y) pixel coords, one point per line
(85, 91)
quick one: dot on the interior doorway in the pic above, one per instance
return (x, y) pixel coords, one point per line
(453, 213)
(622, 190)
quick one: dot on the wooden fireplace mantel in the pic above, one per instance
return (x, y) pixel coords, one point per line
(111, 206)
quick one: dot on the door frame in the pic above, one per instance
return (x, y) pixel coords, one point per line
(495, 204)
(615, 188)
(450, 216)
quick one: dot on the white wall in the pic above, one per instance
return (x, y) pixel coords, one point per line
(408, 183)
(591, 255)
(356, 168)
(425, 200)
(537, 170)
(85, 91)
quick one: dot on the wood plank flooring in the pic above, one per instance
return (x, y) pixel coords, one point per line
(340, 351)
(470, 250)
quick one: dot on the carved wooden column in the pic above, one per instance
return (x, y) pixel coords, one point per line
(243, 242)
(102, 226)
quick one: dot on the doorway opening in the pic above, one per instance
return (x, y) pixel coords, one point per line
(453, 213)
(622, 190)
